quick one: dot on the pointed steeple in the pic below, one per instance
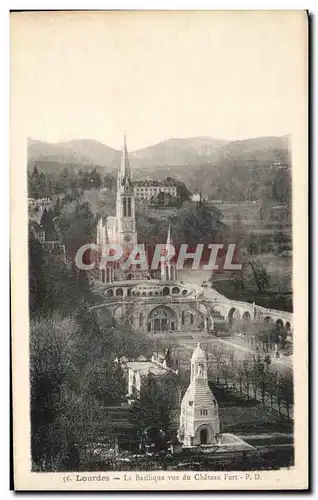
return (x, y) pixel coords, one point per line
(125, 171)
(169, 240)
(168, 269)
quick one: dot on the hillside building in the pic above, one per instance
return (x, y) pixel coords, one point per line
(148, 191)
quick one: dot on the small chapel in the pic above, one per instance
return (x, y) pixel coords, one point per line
(199, 416)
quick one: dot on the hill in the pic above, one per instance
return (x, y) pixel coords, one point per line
(171, 152)
(210, 162)
(190, 151)
(82, 152)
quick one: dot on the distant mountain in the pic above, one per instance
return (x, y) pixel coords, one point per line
(190, 151)
(259, 148)
(165, 158)
(81, 151)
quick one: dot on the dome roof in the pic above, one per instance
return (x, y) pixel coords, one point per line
(198, 353)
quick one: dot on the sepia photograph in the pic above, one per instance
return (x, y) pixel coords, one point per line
(158, 201)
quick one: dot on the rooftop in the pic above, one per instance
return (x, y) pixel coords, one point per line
(150, 182)
(198, 353)
(145, 367)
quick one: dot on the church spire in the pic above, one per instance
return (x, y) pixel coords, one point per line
(168, 268)
(169, 241)
(125, 171)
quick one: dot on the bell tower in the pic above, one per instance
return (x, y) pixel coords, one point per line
(125, 203)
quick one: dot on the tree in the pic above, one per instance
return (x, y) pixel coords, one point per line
(280, 186)
(65, 410)
(271, 386)
(285, 390)
(95, 179)
(260, 277)
(73, 379)
(252, 244)
(227, 372)
(57, 207)
(48, 374)
(246, 376)
(282, 240)
(109, 181)
(197, 224)
(35, 173)
(183, 193)
(238, 230)
(37, 281)
(218, 357)
(38, 184)
(77, 227)
(47, 222)
(158, 398)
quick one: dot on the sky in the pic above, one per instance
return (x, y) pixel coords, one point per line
(156, 75)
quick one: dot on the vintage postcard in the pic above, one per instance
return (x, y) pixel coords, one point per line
(159, 250)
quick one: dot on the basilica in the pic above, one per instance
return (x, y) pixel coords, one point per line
(153, 301)
(159, 300)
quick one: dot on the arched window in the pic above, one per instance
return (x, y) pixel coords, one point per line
(182, 318)
(125, 207)
(162, 319)
(200, 370)
(129, 207)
